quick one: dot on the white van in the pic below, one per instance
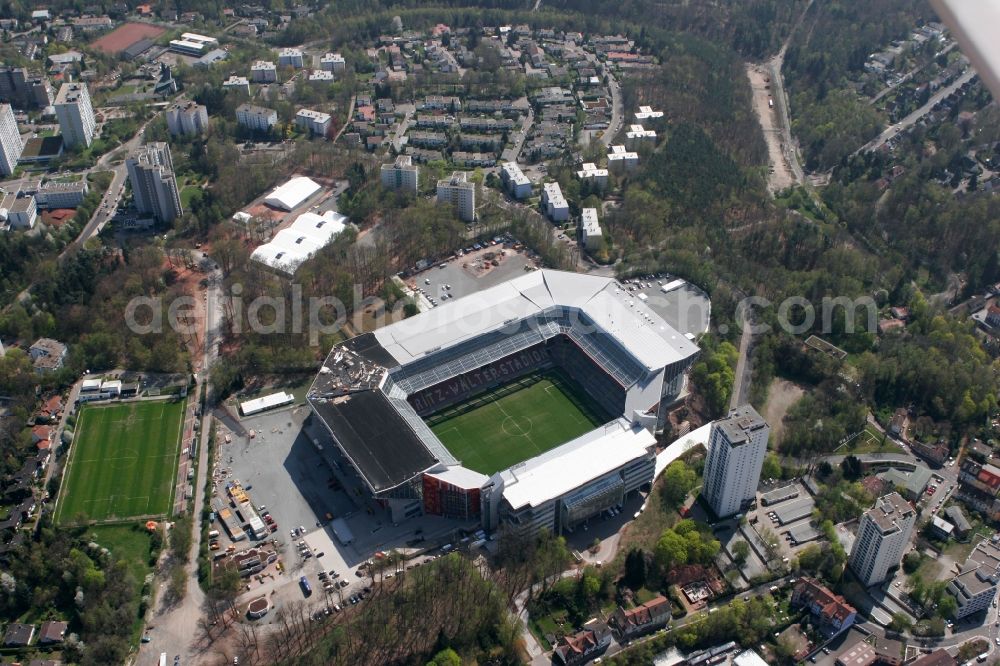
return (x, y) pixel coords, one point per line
(214, 534)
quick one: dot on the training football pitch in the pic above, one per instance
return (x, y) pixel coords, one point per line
(517, 421)
(123, 461)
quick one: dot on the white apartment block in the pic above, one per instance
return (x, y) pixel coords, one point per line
(737, 445)
(883, 535)
(591, 235)
(290, 57)
(18, 212)
(332, 62)
(620, 159)
(240, 83)
(460, 193)
(10, 141)
(187, 118)
(316, 122)
(647, 113)
(154, 186)
(556, 206)
(975, 587)
(638, 136)
(263, 71)
(403, 174)
(257, 118)
(597, 177)
(515, 181)
(76, 115)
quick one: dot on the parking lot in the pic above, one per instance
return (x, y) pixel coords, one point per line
(304, 488)
(462, 277)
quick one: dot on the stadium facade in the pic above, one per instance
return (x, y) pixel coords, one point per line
(374, 391)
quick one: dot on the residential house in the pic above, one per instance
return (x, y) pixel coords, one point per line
(47, 354)
(52, 631)
(583, 646)
(936, 453)
(830, 611)
(41, 437)
(958, 519)
(18, 635)
(650, 616)
(939, 657)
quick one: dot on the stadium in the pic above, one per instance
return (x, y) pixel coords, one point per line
(533, 403)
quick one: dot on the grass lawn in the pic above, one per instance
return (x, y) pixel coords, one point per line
(187, 193)
(123, 461)
(517, 421)
(126, 543)
(870, 441)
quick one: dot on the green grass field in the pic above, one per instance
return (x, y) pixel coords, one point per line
(517, 421)
(123, 462)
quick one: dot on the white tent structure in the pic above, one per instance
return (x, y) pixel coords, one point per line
(292, 246)
(292, 193)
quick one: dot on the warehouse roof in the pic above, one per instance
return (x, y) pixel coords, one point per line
(292, 193)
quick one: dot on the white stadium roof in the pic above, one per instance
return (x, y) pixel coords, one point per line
(292, 193)
(292, 246)
(630, 322)
(573, 464)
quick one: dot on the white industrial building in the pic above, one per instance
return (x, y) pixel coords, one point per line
(639, 136)
(320, 76)
(647, 113)
(556, 206)
(76, 115)
(18, 212)
(193, 44)
(293, 193)
(597, 177)
(292, 246)
(736, 450)
(11, 145)
(314, 122)
(620, 159)
(332, 62)
(514, 180)
(290, 57)
(257, 118)
(263, 403)
(263, 71)
(457, 191)
(975, 586)
(57, 194)
(883, 536)
(402, 174)
(591, 235)
(187, 118)
(240, 83)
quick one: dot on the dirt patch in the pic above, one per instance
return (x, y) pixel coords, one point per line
(781, 395)
(781, 175)
(125, 36)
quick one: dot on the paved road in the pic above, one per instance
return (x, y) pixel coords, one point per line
(911, 119)
(741, 380)
(176, 627)
(617, 110)
(910, 74)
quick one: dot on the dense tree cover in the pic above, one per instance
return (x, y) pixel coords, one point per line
(678, 481)
(579, 596)
(938, 365)
(713, 374)
(828, 49)
(65, 575)
(687, 542)
(821, 419)
(449, 604)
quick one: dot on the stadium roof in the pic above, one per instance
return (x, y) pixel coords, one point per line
(573, 464)
(375, 437)
(633, 325)
(461, 477)
(292, 193)
(292, 246)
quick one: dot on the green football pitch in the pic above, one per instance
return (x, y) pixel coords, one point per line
(521, 420)
(124, 461)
